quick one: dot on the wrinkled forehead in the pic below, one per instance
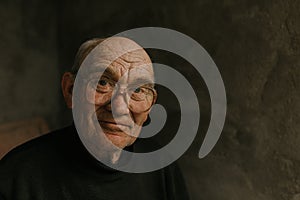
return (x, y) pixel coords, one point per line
(118, 53)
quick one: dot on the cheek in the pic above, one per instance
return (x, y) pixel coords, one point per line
(96, 98)
(139, 119)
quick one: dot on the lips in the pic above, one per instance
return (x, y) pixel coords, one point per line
(113, 126)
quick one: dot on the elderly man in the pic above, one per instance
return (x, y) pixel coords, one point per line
(115, 93)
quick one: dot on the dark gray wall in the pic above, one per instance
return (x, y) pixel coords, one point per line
(255, 44)
(29, 73)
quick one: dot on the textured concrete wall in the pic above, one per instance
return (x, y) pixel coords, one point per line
(255, 44)
(29, 75)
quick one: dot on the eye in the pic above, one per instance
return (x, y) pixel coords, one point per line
(102, 82)
(104, 85)
(141, 93)
(137, 90)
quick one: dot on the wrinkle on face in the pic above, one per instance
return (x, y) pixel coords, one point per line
(130, 68)
(125, 61)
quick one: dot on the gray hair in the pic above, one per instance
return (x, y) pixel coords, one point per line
(83, 51)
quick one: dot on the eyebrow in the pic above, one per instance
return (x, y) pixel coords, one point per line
(110, 72)
(144, 81)
(104, 72)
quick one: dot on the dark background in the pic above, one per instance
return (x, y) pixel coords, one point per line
(255, 44)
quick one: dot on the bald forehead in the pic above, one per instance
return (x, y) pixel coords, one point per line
(117, 57)
(119, 48)
(131, 59)
(119, 52)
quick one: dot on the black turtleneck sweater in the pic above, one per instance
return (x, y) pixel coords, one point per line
(57, 166)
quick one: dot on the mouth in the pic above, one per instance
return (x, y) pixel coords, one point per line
(113, 126)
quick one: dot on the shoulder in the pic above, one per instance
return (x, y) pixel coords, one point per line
(35, 148)
(32, 163)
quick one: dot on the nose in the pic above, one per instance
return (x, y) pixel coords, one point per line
(119, 104)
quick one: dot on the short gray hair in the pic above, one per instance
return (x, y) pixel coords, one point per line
(83, 51)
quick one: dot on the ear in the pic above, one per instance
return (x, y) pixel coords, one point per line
(67, 84)
(155, 97)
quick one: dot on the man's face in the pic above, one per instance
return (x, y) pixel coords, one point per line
(119, 92)
(118, 112)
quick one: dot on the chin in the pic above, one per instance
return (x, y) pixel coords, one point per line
(120, 140)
